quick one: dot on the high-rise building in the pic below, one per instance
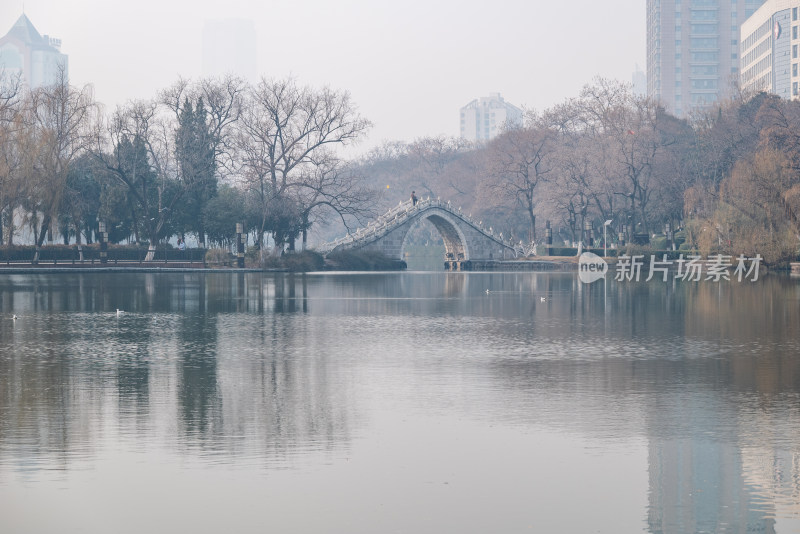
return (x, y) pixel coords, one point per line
(693, 50)
(229, 47)
(639, 82)
(484, 117)
(770, 44)
(36, 57)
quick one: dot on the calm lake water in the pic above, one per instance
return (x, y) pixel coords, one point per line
(398, 402)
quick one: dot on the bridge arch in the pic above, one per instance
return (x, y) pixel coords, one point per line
(455, 242)
(465, 239)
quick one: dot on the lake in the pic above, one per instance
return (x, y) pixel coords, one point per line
(415, 402)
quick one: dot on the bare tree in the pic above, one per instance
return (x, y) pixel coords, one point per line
(333, 189)
(519, 160)
(430, 159)
(284, 130)
(64, 122)
(136, 149)
(627, 128)
(11, 153)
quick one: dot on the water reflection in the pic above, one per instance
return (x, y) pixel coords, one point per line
(269, 370)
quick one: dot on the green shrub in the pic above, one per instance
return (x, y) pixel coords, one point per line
(302, 261)
(557, 251)
(69, 253)
(362, 260)
(571, 251)
(219, 256)
(659, 242)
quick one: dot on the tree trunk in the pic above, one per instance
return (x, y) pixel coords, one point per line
(40, 238)
(151, 251)
(10, 239)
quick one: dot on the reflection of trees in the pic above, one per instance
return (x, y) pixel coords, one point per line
(197, 375)
(189, 349)
(708, 371)
(234, 364)
(35, 397)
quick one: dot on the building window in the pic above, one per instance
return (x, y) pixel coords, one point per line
(704, 28)
(794, 89)
(794, 32)
(704, 42)
(794, 51)
(794, 13)
(794, 69)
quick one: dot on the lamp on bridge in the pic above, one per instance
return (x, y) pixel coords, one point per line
(605, 241)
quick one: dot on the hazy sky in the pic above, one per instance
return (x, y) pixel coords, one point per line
(409, 65)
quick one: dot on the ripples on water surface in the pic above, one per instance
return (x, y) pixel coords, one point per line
(397, 402)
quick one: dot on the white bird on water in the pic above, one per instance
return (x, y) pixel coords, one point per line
(542, 299)
(119, 312)
(14, 317)
(487, 291)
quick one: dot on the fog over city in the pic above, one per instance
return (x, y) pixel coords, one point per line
(409, 66)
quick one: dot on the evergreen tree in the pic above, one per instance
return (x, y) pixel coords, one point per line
(194, 148)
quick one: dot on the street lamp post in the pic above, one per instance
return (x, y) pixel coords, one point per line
(605, 241)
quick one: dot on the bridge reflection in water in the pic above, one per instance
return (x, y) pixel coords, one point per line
(662, 408)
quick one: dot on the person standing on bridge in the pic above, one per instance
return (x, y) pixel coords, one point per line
(413, 198)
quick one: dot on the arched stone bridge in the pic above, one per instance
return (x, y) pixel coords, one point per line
(465, 240)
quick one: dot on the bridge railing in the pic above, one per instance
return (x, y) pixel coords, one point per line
(400, 213)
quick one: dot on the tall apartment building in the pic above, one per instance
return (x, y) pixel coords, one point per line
(693, 50)
(36, 57)
(769, 49)
(484, 117)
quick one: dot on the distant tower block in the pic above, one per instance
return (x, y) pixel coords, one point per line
(36, 57)
(484, 118)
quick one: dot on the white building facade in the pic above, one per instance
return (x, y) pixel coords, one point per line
(36, 57)
(485, 117)
(770, 42)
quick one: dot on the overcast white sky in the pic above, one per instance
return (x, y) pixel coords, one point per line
(409, 65)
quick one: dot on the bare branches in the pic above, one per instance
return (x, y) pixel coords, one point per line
(519, 160)
(284, 142)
